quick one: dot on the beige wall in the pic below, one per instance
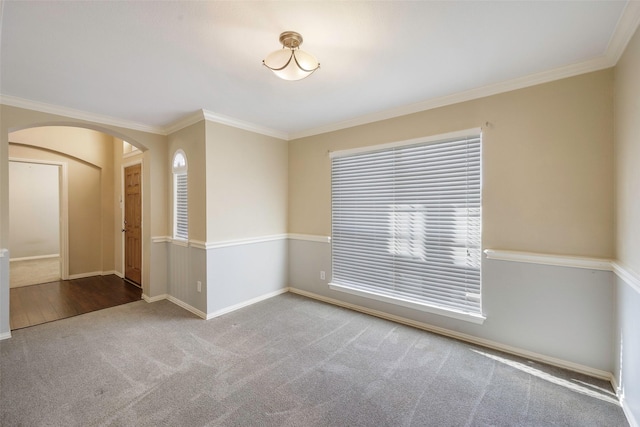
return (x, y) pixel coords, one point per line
(92, 225)
(191, 140)
(627, 136)
(246, 184)
(84, 208)
(155, 187)
(547, 165)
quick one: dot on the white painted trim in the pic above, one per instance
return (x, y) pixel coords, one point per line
(628, 413)
(135, 153)
(110, 272)
(548, 259)
(4, 253)
(597, 373)
(15, 101)
(468, 317)
(149, 299)
(33, 258)
(180, 242)
(241, 124)
(625, 29)
(474, 132)
(187, 307)
(246, 303)
(198, 244)
(5, 336)
(186, 121)
(64, 209)
(627, 275)
(161, 239)
(247, 241)
(310, 238)
(203, 115)
(83, 275)
(176, 301)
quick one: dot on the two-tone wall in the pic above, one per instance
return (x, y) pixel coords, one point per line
(154, 155)
(627, 197)
(547, 187)
(236, 252)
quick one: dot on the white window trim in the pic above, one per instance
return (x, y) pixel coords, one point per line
(177, 172)
(428, 308)
(477, 318)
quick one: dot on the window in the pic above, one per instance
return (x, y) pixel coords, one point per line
(406, 223)
(180, 206)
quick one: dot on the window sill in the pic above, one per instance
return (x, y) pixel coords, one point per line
(468, 317)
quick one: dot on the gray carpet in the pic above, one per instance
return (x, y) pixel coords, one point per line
(287, 361)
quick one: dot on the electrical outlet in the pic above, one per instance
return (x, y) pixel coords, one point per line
(199, 285)
(322, 276)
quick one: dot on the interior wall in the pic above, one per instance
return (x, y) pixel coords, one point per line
(246, 184)
(246, 188)
(84, 208)
(155, 184)
(91, 175)
(627, 150)
(547, 165)
(191, 140)
(547, 188)
(34, 203)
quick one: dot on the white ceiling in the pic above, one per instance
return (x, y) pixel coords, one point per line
(150, 64)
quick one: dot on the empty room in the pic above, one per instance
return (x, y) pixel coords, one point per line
(367, 213)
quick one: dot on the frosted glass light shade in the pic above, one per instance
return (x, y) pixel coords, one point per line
(291, 64)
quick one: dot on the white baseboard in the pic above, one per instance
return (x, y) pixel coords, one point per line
(176, 301)
(245, 303)
(147, 298)
(597, 373)
(187, 307)
(95, 273)
(633, 422)
(83, 275)
(5, 336)
(209, 316)
(115, 273)
(33, 258)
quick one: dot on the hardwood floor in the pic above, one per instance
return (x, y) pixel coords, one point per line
(36, 304)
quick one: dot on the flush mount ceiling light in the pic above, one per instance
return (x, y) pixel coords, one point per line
(291, 63)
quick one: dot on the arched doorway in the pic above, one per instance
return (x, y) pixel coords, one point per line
(91, 216)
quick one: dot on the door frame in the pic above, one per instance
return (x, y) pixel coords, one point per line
(63, 196)
(122, 202)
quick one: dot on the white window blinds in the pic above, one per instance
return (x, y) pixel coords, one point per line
(181, 219)
(406, 223)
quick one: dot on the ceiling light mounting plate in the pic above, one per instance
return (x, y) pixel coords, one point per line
(291, 39)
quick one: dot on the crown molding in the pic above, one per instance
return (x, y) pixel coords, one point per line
(625, 29)
(42, 107)
(224, 120)
(241, 124)
(184, 122)
(469, 95)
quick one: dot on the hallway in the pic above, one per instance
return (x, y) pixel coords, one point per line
(36, 304)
